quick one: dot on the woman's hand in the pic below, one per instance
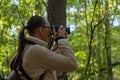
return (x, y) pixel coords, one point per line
(61, 32)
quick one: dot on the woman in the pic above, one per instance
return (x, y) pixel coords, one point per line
(38, 60)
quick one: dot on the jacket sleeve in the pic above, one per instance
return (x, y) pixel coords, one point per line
(61, 60)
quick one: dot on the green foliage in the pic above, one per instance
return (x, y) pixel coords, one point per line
(81, 14)
(92, 12)
(12, 15)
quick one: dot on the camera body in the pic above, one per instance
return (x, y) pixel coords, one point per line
(57, 26)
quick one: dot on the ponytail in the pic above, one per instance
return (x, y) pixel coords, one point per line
(21, 44)
(33, 23)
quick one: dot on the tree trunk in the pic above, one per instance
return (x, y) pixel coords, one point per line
(107, 43)
(56, 14)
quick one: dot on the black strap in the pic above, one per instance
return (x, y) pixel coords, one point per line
(24, 73)
(22, 69)
(30, 42)
(28, 77)
(42, 76)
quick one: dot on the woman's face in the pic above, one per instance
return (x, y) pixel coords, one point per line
(46, 31)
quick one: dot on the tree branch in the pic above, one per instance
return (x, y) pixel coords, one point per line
(44, 3)
(113, 65)
(93, 13)
(91, 39)
(99, 23)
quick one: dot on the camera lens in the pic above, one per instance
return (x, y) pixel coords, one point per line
(57, 26)
(67, 30)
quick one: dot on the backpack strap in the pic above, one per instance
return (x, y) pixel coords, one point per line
(21, 69)
(28, 77)
(24, 73)
(42, 76)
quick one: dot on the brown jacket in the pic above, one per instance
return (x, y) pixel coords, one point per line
(38, 59)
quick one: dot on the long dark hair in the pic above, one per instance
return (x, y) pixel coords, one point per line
(33, 23)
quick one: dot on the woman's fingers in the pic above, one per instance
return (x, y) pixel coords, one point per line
(60, 32)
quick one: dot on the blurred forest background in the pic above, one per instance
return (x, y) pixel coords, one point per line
(95, 33)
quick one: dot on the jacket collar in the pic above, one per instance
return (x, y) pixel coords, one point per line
(37, 41)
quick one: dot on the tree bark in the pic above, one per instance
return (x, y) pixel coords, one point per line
(56, 14)
(107, 44)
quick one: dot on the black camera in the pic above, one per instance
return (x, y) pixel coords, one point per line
(57, 26)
